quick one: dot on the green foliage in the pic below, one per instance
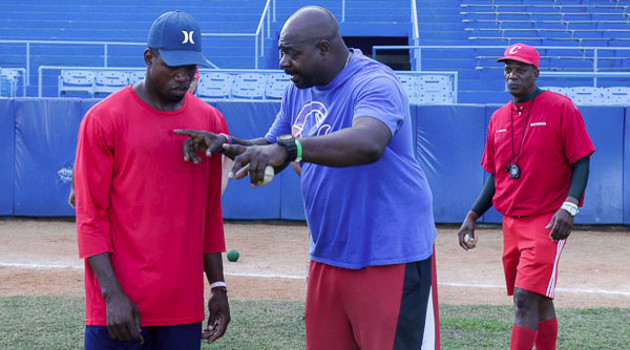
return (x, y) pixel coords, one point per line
(57, 323)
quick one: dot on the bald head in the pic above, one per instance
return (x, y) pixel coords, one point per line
(311, 48)
(311, 23)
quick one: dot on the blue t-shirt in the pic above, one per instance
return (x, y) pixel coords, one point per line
(374, 214)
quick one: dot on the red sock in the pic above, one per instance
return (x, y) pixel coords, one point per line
(547, 335)
(522, 338)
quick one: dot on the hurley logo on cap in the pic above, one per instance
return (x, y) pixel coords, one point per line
(521, 53)
(188, 37)
(177, 36)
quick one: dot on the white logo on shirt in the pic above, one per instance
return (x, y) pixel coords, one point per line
(501, 130)
(538, 124)
(310, 120)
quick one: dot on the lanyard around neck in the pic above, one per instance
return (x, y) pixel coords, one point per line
(520, 147)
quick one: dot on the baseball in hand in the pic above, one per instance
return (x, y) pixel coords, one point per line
(469, 240)
(269, 173)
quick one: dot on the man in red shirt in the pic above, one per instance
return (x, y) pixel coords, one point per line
(537, 154)
(148, 224)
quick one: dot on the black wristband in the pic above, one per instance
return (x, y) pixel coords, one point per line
(288, 141)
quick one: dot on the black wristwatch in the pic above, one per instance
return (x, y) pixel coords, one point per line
(288, 141)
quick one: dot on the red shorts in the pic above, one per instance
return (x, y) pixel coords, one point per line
(377, 307)
(530, 257)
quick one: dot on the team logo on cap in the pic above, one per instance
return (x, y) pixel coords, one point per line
(188, 37)
(514, 50)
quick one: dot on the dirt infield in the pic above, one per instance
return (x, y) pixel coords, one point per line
(39, 257)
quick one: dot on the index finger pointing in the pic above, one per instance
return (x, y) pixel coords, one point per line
(185, 132)
(233, 148)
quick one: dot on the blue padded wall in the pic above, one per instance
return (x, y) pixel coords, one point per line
(292, 206)
(38, 142)
(45, 144)
(250, 120)
(626, 167)
(86, 104)
(7, 155)
(450, 141)
(491, 216)
(603, 200)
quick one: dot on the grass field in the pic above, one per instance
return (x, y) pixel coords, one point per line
(57, 323)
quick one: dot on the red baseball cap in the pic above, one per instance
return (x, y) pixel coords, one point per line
(522, 53)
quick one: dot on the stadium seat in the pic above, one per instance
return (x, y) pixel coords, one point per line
(110, 81)
(435, 97)
(79, 81)
(585, 95)
(435, 89)
(276, 83)
(557, 89)
(9, 82)
(619, 95)
(410, 85)
(249, 86)
(613, 24)
(136, 75)
(617, 33)
(523, 24)
(214, 85)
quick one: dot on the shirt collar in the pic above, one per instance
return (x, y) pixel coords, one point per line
(529, 97)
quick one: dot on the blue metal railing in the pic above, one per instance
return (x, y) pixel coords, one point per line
(593, 75)
(258, 35)
(417, 49)
(29, 43)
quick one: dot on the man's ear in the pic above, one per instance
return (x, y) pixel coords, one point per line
(536, 72)
(148, 56)
(324, 47)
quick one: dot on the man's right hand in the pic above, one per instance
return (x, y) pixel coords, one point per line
(71, 200)
(200, 141)
(468, 228)
(123, 318)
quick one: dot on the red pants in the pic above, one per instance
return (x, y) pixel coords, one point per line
(530, 257)
(377, 307)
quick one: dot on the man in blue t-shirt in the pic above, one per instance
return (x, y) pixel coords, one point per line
(368, 205)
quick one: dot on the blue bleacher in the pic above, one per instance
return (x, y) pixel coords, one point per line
(561, 23)
(117, 20)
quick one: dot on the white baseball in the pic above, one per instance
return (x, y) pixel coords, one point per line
(469, 240)
(269, 174)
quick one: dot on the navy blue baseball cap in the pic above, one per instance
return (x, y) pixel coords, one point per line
(176, 35)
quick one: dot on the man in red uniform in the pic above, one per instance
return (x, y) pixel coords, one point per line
(148, 224)
(537, 154)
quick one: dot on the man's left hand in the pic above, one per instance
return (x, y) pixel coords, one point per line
(219, 317)
(253, 160)
(561, 225)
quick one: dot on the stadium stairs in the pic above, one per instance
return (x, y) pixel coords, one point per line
(572, 24)
(117, 21)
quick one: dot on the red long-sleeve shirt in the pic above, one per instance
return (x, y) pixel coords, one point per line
(156, 214)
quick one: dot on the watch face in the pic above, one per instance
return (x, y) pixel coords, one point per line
(284, 138)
